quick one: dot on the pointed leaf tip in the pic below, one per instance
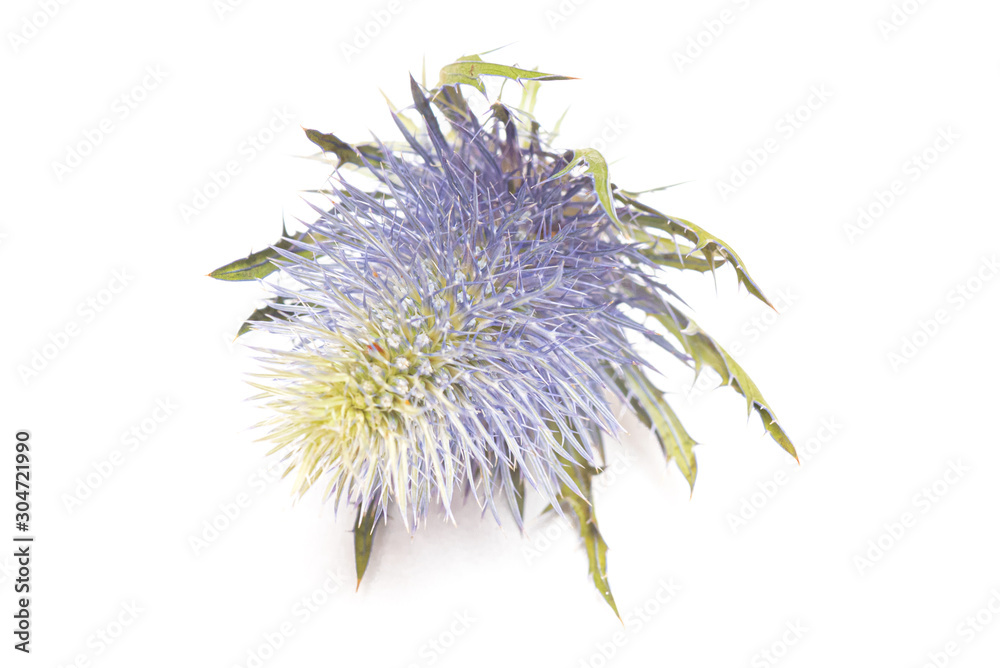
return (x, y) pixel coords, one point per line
(703, 241)
(706, 352)
(583, 509)
(259, 264)
(677, 444)
(364, 538)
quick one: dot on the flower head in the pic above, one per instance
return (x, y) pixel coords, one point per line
(467, 321)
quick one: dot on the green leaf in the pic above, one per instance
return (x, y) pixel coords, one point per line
(364, 537)
(597, 167)
(581, 503)
(743, 384)
(705, 351)
(470, 70)
(677, 444)
(611, 372)
(265, 314)
(253, 266)
(679, 261)
(345, 152)
(583, 509)
(667, 252)
(331, 143)
(708, 244)
(259, 264)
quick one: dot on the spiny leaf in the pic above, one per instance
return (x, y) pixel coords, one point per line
(265, 314)
(345, 152)
(364, 537)
(331, 143)
(668, 252)
(743, 384)
(703, 241)
(583, 509)
(256, 265)
(470, 70)
(704, 350)
(581, 502)
(640, 412)
(597, 167)
(676, 442)
(678, 261)
(253, 266)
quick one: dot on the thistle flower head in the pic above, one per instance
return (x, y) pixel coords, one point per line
(451, 330)
(466, 320)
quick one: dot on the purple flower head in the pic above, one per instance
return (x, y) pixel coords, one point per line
(465, 321)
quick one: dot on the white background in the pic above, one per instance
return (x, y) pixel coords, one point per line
(892, 430)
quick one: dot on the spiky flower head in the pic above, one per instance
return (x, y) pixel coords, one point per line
(467, 318)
